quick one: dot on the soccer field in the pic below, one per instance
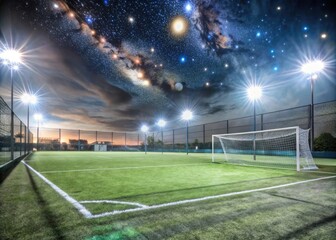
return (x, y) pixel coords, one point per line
(107, 182)
(159, 196)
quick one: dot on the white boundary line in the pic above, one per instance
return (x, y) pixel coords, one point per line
(67, 197)
(205, 198)
(116, 202)
(123, 168)
(88, 214)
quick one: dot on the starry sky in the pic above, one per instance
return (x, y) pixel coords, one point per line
(116, 64)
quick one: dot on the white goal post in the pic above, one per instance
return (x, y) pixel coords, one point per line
(279, 148)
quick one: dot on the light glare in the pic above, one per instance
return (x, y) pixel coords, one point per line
(187, 115)
(312, 67)
(11, 56)
(161, 123)
(27, 98)
(144, 128)
(254, 92)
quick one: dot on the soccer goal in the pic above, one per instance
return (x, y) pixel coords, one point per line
(280, 148)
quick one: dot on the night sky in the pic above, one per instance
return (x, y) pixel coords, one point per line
(114, 65)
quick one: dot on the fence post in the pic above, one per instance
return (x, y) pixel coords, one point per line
(78, 140)
(203, 134)
(21, 138)
(262, 121)
(173, 140)
(60, 138)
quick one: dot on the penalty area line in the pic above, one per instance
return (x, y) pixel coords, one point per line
(206, 198)
(66, 196)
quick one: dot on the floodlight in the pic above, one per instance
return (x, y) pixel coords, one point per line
(312, 67)
(144, 128)
(254, 92)
(161, 123)
(10, 56)
(27, 98)
(38, 116)
(187, 115)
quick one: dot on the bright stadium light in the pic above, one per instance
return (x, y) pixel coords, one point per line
(28, 99)
(12, 59)
(254, 93)
(38, 117)
(145, 129)
(161, 123)
(312, 68)
(187, 115)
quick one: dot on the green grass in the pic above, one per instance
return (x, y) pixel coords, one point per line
(30, 209)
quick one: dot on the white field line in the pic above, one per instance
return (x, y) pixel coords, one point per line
(122, 168)
(116, 202)
(67, 197)
(205, 198)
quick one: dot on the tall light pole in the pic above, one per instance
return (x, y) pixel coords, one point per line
(28, 99)
(12, 59)
(38, 117)
(144, 129)
(161, 123)
(254, 93)
(186, 116)
(312, 68)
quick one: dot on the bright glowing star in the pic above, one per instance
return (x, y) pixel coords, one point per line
(278, 8)
(178, 86)
(188, 7)
(254, 92)
(179, 26)
(275, 68)
(137, 61)
(323, 35)
(258, 34)
(312, 67)
(161, 123)
(207, 84)
(182, 59)
(305, 28)
(71, 14)
(11, 56)
(161, 65)
(55, 5)
(140, 75)
(146, 83)
(114, 56)
(38, 116)
(226, 65)
(89, 20)
(187, 115)
(131, 19)
(305, 35)
(144, 128)
(93, 32)
(102, 40)
(28, 98)
(152, 50)
(205, 69)
(272, 51)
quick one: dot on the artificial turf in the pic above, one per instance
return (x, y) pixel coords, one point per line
(30, 209)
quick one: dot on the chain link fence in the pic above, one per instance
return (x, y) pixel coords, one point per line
(174, 140)
(21, 146)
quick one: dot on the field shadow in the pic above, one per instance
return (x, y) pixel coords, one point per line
(296, 199)
(47, 213)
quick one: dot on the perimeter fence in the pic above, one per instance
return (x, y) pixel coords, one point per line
(21, 143)
(174, 140)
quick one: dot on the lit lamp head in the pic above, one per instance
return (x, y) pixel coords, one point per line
(27, 98)
(38, 116)
(312, 67)
(254, 93)
(144, 129)
(161, 123)
(187, 115)
(11, 57)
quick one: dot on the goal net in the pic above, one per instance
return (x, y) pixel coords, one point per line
(282, 148)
